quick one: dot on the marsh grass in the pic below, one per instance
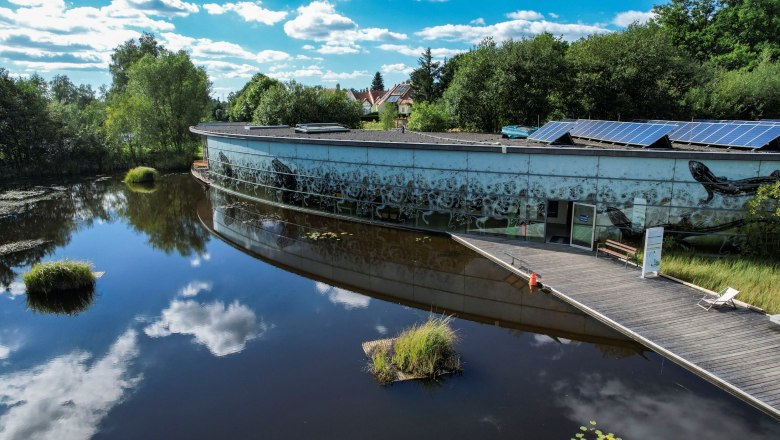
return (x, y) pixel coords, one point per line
(757, 280)
(142, 175)
(58, 277)
(381, 366)
(428, 349)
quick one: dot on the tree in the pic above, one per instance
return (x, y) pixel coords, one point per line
(689, 23)
(241, 106)
(378, 82)
(638, 73)
(472, 95)
(62, 90)
(294, 103)
(425, 78)
(387, 116)
(763, 230)
(127, 54)
(26, 135)
(448, 70)
(429, 116)
(164, 96)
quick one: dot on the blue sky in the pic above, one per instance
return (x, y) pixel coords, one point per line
(315, 42)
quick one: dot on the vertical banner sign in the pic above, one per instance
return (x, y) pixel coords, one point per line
(654, 241)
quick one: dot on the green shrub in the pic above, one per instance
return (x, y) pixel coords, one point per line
(56, 276)
(427, 349)
(372, 126)
(141, 175)
(387, 116)
(429, 116)
(380, 365)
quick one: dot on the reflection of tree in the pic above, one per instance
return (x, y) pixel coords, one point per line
(168, 215)
(49, 215)
(69, 303)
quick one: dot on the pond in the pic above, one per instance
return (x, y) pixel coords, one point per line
(222, 318)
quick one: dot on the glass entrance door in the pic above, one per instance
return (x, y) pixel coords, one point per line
(583, 225)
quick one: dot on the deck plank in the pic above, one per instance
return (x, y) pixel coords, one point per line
(738, 350)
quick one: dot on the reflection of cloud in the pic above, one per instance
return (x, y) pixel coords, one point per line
(350, 300)
(638, 413)
(198, 259)
(16, 289)
(65, 398)
(223, 330)
(540, 340)
(195, 287)
(382, 330)
(5, 351)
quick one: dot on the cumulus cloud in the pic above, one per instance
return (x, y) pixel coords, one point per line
(15, 289)
(397, 68)
(659, 413)
(624, 19)
(52, 35)
(524, 15)
(335, 76)
(505, 30)
(437, 52)
(319, 21)
(286, 75)
(222, 329)
(207, 48)
(250, 12)
(66, 397)
(478, 21)
(193, 288)
(350, 300)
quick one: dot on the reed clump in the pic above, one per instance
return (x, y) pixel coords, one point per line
(757, 280)
(142, 175)
(59, 276)
(381, 366)
(428, 349)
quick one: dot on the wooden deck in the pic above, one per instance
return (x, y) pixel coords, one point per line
(738, 350)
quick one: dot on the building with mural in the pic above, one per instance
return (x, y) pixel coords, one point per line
(460, 182)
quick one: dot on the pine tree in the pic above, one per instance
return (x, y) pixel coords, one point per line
(425, 79)
(378, 83)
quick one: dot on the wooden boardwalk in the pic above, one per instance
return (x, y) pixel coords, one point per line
(738, 350)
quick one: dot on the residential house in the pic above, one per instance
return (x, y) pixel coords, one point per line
(367, 98)
(401, 97)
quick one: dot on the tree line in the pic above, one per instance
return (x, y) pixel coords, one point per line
(702, 59)
(58, 127)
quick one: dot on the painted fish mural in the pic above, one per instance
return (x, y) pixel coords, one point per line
(722, 185)
(681, 229)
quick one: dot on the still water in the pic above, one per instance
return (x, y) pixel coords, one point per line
(219, 318)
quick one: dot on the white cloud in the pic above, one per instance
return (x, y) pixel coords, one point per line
(417, 51)
(624, 19)
(506, 30)
(478, 21)
(250, 12)
(207, 48)
(307, 47)
(335, 76)
(553, 15)
(16, 289)
(319, 21)
(350, 300)
(642, 412)
(382, 330)
(5, 351)
(197, 260)
(195, 287)
(165, 8)
(65, 397)
(397, 68)
(222, 329)
(295, 74)
(524, 15)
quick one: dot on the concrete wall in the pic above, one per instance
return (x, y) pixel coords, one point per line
(489, 191)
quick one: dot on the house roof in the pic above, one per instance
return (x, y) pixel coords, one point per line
(372, 96)
(399, 93)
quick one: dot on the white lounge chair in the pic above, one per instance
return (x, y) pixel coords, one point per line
(725, 297)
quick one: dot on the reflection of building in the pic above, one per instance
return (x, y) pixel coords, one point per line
(564, 194)
(425, 272)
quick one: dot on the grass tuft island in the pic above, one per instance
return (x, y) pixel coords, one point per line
(59, 276)
(142, 175)
(422, 351)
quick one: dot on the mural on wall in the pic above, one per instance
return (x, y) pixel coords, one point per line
(722, 185)
(434, 197)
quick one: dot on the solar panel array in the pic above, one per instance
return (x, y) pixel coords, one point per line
(740, 134)
(552, 131)
(628, 133)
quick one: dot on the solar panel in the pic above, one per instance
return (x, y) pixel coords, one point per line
(628, 133)
(393, 98)
(738, 134)
(552, 132)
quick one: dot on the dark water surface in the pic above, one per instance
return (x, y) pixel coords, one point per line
(219, 318)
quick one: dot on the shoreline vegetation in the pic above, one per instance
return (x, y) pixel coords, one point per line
(59, 277)
(756, 279)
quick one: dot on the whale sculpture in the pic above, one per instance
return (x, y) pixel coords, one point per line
(722, 185)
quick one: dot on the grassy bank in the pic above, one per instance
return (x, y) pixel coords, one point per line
(757, 280)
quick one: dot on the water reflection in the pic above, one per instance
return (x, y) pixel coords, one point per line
(68, 303)
(642, 413)
(68, 396)
(352, 262)
(222, 329)
(36, 220)
(195, 287)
